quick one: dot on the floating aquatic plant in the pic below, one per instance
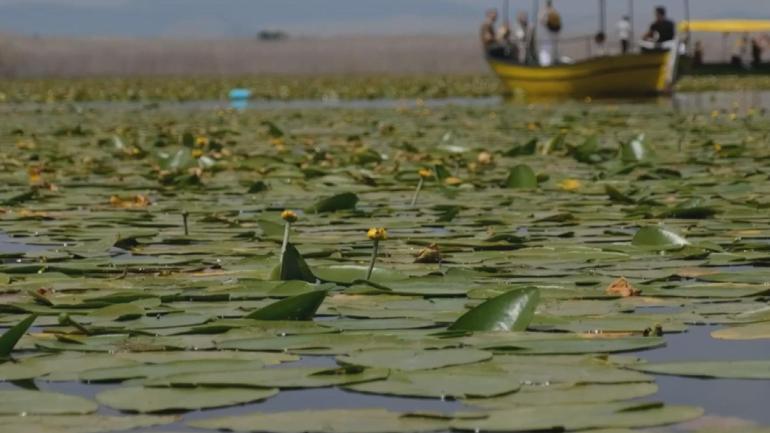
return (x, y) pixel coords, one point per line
(375, 235)
(424, 173)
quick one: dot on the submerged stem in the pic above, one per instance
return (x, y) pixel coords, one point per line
(375, 248)
(417, 191)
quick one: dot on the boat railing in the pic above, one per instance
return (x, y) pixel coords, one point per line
(582, 47)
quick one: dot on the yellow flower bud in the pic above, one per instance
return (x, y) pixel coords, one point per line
(484, 158)
(453, 181)
(377, 234)
(425, 173)
(570, 184)
(289, 216)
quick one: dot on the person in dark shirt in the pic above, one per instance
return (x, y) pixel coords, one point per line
(662, 30)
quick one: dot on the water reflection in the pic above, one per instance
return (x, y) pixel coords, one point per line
(746, 399)
(739, 102)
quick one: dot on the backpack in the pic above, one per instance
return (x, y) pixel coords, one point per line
(553, 21)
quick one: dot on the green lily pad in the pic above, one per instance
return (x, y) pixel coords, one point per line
(410, 360)
(12, 336)
(148, 400)
(327, 421)
(522, 177)
(512, 311)
(658, 237)
(635, 150)
(579, 417)
(572, 345)
(337, 202)
(167, 369)
(349, 274)
(284, 378)
(60, 367)
(711, 369)
(443, 383)
(22, 402)
(300, 307)
(294, 267)
(754, 331)
(80, 424)
(560, 394)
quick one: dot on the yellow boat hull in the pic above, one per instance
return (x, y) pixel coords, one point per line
(625, 75)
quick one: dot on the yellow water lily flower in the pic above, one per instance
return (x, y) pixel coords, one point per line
(570, 185)
(289, 216)
(425, 173)
(35, 176)
(201, 141)
(377, 233)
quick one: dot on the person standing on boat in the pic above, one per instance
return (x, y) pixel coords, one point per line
(521, 32)
(756, 51)
(551, 19)
(489, 35)
(740, 51)
(600, 45)
(624, 34)
(697, 55)
(510, 50)
(661, 32)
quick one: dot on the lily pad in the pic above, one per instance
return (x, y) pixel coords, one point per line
(327, 421)
(12, 336)
(579, 417)
(168, 369)
(711, 369)
(522, 177)
(555, 394)
(441, 383)
(658, 237)
(754, 331)
(148, 400)
(635, 150)
(294, 267)
(285, 378)
(410, 360)
(512, 311)
(80, 424)
(337, 202)
(22, 402)
(300, 307)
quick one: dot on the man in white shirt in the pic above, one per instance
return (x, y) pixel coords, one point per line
(624, 34)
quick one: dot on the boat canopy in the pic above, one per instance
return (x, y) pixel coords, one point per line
(725, 26)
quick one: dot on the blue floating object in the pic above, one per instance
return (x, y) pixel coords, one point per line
(237, 94)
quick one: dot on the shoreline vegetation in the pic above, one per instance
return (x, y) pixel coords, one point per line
(295, 87)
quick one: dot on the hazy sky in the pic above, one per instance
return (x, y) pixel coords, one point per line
(243, 18)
